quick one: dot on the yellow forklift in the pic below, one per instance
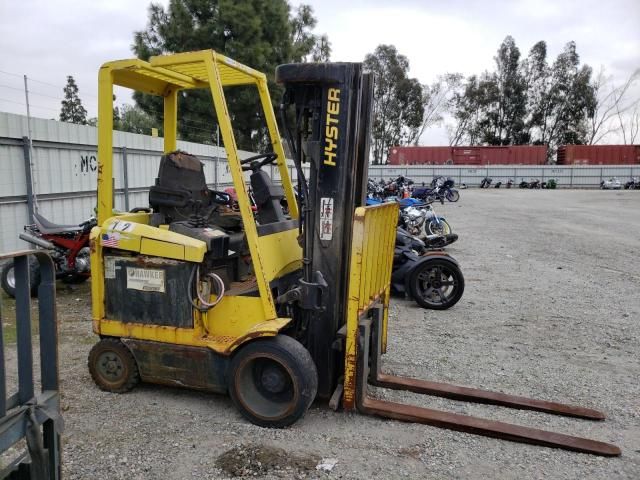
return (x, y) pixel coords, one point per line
(276, 307)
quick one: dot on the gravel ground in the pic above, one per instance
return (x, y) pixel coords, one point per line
(551, 310)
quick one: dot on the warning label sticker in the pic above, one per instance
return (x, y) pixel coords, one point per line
(145, 279)
(326, 218)
(109, 267)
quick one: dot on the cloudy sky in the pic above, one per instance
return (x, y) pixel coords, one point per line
(47, 40)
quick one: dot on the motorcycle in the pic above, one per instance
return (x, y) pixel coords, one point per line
(69, 249)
(611, 184)
(441, 188)
(632, 184)
(486, 182)
(430, 277)
(509, 183)
(425, 244)
(421, 269)
(531, 185)
(393, 189)
(420, 220)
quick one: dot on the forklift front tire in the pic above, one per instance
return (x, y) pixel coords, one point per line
(112, 366)
(273, 381)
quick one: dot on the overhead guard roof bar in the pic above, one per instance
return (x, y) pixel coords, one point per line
(182, 71)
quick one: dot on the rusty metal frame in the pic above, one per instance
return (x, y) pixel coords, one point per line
(27, 413)
(369, 372)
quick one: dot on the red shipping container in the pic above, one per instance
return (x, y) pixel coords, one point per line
(420, 156)
(598, 155)
(490, 155)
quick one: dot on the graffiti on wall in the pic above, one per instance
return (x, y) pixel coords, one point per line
(88, 164)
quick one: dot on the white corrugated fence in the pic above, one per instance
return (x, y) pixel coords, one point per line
(64, 167)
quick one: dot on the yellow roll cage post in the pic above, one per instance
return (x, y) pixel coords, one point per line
(166, 76)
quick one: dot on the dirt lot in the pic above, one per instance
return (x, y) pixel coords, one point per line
(551, 310)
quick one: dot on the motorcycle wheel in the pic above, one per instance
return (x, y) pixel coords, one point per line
(437, 284)
(8, 278)
(453, 195)
(438, 228)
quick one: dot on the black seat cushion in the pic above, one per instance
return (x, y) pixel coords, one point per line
(267, 197)
(181, 188)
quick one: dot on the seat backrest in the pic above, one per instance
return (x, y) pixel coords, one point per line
(181, 188)
(267, 197)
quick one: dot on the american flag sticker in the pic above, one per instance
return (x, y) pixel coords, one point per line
(110, 239)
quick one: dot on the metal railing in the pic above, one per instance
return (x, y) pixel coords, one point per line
(29, 414)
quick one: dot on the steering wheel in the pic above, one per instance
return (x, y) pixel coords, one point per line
(256, 162)
(221, 198)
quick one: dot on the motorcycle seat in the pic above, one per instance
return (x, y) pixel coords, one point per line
(46, 226)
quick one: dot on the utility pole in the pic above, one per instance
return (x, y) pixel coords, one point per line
(30, 175)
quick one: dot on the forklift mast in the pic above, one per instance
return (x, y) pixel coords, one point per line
(331, 130)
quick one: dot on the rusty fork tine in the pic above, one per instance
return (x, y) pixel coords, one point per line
(482, 396)
(488, 428)
(369, 371)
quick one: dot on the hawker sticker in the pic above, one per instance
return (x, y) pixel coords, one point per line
(331, 129)
(326, 218)
(145, 279)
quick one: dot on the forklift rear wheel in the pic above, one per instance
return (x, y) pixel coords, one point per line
(112, 366)
(273, 381)
(437, 284)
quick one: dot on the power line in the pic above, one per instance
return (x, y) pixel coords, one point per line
(160, 114)
(188, 125)
(44, 83)
(40, 94)
(30, 104)
(44, 95)
(12, 88)
(12, 74)
(31, 79)
(11, 101)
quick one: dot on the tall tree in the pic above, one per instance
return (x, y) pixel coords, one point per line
(526, 101)
(321, 51)
(134, 119)
(397, 101)
(254, 32)
(492, 107)
(437, 99)
(614, 106)
(72, 110)
(468, 110)
(571, 101)
(306, 45)
(506, 100)
(630, 125)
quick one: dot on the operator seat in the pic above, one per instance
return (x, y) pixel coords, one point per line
(268, 198)
(181, 189)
